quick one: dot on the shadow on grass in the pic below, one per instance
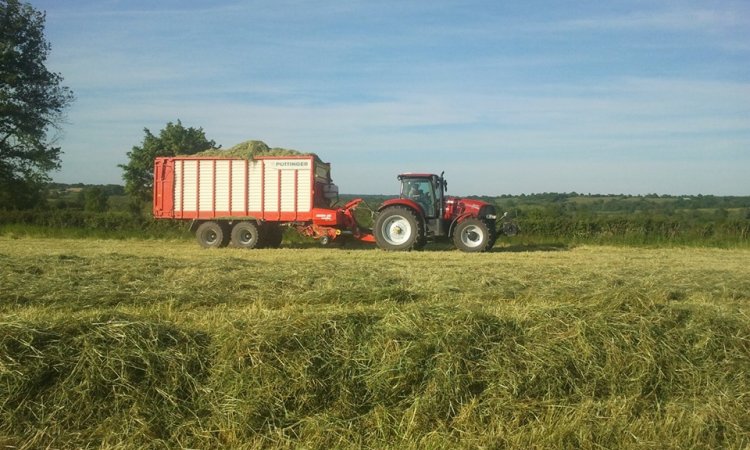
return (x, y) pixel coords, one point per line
(521, 248)
(433, 247)
(509, 248)
(348, 243)
(339, 244)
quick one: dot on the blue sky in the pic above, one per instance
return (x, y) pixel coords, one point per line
(511, 97)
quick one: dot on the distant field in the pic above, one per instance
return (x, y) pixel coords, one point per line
(160, 344)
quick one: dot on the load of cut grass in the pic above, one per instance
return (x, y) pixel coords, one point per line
(251, 149)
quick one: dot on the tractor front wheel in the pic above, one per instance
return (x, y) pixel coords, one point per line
(398, 228)
(474, 235)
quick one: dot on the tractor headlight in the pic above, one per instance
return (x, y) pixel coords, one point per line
(488, 211)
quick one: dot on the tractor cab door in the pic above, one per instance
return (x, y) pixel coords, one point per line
(422, 191)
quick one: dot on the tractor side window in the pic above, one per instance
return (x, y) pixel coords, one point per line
(421, 191)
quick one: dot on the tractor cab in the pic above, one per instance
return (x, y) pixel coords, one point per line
(426, 190)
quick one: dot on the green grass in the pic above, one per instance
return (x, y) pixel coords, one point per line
(159, 344)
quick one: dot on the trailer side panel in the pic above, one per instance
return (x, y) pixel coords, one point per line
(266, 188)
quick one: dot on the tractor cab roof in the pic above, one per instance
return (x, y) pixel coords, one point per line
(416, 175)
(436, 180)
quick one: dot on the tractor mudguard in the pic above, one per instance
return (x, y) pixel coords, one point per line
(403, 202)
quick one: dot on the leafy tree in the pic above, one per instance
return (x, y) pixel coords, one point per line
(32, 101)
(173, 140)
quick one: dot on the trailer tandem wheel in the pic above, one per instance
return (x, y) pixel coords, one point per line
(272, 235)
(246, 234)
(212, 235)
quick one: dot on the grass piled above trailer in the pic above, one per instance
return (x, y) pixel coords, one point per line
(161, 345)
(252, 149)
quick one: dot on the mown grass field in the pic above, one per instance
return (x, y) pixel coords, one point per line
(160, 344)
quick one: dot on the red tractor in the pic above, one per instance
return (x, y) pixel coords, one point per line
(424, 213)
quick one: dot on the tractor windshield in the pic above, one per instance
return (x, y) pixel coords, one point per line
(421, 191)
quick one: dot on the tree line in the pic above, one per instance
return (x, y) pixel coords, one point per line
(106, 211)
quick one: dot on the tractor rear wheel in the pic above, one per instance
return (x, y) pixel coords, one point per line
(245, 235)
(474, 235)
(398, 228)
(212, 235)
